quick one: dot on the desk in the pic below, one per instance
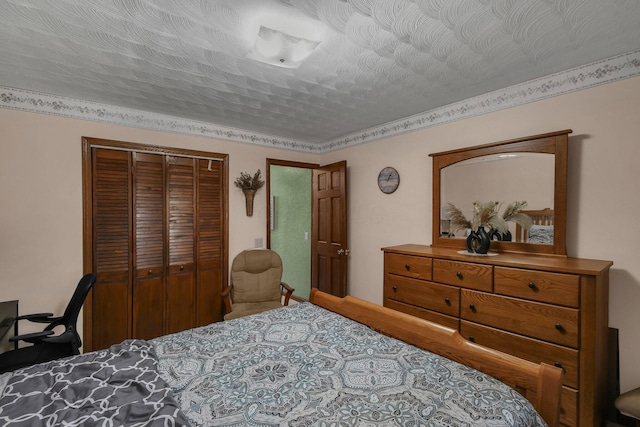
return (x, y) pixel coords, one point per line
(8, 324)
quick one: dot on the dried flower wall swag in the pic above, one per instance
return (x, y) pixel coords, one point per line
(247, 181)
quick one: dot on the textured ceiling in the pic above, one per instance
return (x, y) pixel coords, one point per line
(379, 60)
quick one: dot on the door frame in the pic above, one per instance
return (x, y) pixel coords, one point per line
(291, 164)
(313, 167)
(286, 163)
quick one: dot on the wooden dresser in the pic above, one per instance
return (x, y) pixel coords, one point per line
(541, 308)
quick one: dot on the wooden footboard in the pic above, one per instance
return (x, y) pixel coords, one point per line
(541, 384)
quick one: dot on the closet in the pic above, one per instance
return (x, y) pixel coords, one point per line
(155, 233)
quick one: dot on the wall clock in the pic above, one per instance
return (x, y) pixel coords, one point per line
(388, 180)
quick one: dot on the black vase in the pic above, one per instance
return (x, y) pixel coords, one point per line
(478, 241)
(496, 235)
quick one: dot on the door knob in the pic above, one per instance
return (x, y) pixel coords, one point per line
(343, 251)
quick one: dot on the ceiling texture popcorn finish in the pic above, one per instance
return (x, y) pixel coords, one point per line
(382, 67)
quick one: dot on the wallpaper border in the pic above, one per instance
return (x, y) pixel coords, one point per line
(597, 73)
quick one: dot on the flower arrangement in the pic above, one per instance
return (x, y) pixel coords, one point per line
(487, 216)
(247, 181)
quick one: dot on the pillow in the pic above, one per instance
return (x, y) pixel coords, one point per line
(542, 234)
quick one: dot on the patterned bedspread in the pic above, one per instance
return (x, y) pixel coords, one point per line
(305, 366)
(115, 387)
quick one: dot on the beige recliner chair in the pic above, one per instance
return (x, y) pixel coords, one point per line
(629, 404)
(256, 284)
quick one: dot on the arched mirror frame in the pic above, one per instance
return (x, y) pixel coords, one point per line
(552, 143)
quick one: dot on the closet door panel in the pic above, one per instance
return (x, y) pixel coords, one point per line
(210, 241)
(210, 285)
(149, 254)
(112, 246)
(181, 314)
(148, 318)
(111, 320)
(181, 207)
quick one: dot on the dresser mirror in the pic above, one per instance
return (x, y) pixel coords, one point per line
(531, 169)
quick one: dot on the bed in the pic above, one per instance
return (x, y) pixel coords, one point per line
(541, 230)
(113, 387)
(329, 362)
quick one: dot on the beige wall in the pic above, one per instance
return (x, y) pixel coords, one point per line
(41, 210)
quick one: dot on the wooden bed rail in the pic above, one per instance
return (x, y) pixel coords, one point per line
(541, 383)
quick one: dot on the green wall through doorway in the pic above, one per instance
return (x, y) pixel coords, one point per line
(290, 235)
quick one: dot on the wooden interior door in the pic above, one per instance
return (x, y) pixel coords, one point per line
(329, 250)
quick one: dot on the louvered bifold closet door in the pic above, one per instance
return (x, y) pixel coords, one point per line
(112, 247)
(181, 290)
(149, 247)
(157, 240)
(210, 241)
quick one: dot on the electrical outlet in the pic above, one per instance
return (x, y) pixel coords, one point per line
(258, 242)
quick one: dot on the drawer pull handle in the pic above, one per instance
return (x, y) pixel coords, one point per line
(459, 274)
(182, 268)
(471, 338)
(447, 301)
(407, 267)
(532, 286)
(395, 288)
(558, 365)
(150, 271)
(559, 327)
(472, 307)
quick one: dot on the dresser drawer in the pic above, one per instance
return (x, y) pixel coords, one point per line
(408, 265)
(463, 274)
(554, 288)
(569, 407)
(442, 298)
(431, 316)
(526, 348)
(533, 319)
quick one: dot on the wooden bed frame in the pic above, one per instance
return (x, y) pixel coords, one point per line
(541, 383)
(539, 217)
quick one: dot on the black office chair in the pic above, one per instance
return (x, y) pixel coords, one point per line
(46, 344)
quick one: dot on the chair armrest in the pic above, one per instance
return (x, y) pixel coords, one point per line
(38, 317)
(226, 297)
(289, 290)
(32, 336)
(63, 338)
(226, 291)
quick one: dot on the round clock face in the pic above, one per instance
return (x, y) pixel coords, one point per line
(388, 180)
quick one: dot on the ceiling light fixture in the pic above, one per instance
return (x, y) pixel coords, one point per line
(281, 49)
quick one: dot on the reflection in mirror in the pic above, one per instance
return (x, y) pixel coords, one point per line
(531, 169)
(504, 178)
